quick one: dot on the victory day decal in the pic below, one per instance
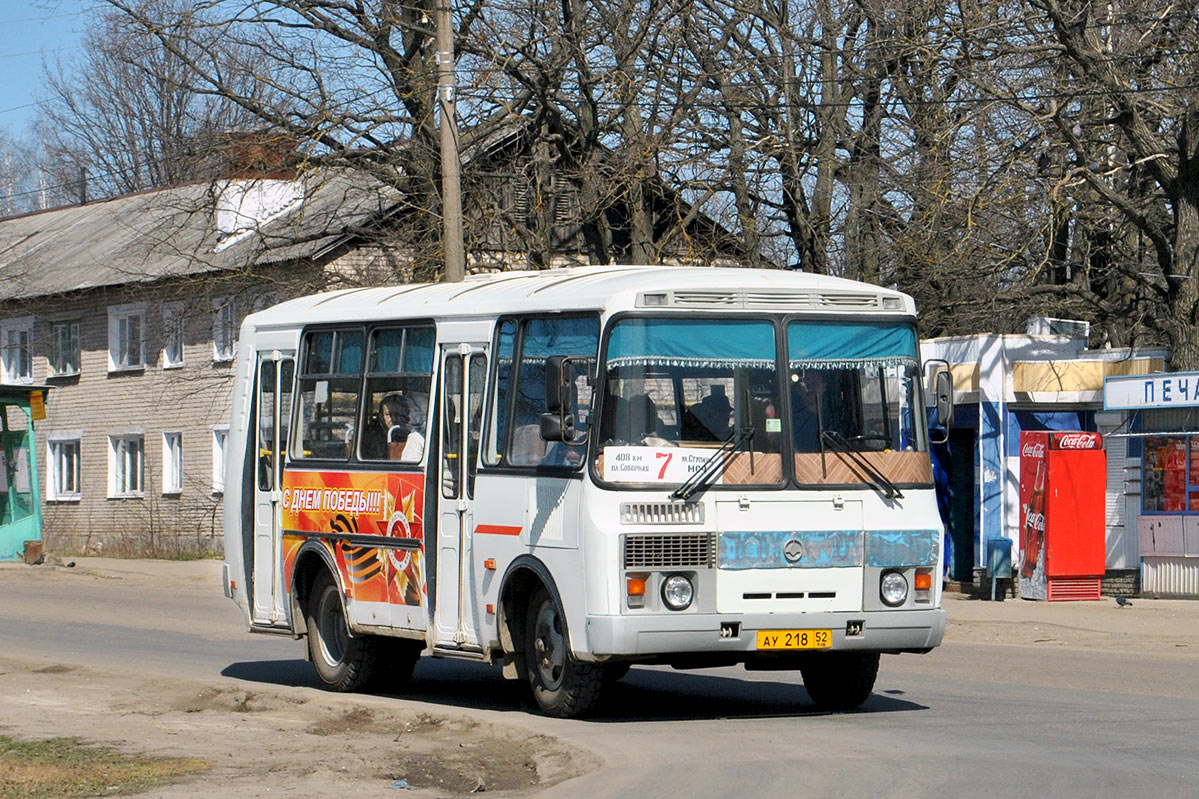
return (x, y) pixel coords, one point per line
(361, 503)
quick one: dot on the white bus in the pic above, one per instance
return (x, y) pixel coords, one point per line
(572, 471)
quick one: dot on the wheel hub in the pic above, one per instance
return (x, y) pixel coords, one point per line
(549, 646)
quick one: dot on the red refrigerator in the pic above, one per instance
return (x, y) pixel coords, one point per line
(1063, 477)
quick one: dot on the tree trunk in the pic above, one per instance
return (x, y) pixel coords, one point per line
(1184, 283)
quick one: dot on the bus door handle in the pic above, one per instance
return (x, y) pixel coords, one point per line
(461, 505)
(276, 496)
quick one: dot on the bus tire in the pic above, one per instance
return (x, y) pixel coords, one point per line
(840, 680)
(343, 662)
(562, 686)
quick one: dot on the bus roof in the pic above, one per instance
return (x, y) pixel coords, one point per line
(594, 288)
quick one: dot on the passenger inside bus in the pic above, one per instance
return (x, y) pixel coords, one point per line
(394, 433)
(709, 420)
(633, 421)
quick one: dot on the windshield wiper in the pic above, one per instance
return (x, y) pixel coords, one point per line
(881, 483)
(714, 466)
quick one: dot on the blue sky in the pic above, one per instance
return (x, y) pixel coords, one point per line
(31, 31)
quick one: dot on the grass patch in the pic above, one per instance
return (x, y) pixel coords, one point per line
(64, 767)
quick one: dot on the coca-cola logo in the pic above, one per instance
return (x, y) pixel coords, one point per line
(1035, 521)
(1031, 450)
(1078, 441)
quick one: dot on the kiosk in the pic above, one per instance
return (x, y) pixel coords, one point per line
(20, 508)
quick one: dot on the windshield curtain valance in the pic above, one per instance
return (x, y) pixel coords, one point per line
(692, 343)
(849, 345)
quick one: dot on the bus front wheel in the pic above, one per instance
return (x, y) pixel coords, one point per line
(343, 662)
(562, 686)
(840, 680)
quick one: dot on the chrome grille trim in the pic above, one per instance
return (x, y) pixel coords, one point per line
(661, 513)
(766, 299)
(848, 300)
(670, 551)
(780, 301)
(706, 299)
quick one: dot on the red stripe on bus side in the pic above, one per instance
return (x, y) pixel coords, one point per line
(496, 529)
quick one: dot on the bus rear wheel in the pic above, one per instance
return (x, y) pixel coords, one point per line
(343, 662)
(840, 680)
(562, 686)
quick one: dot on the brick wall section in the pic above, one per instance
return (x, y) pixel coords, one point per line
(190, 399)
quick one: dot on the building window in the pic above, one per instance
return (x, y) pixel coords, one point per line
(16, 350)
(224, 329)
(63, 467)
(126, 465)
(173, 324)
(64, 349)
(172, 463)
(126, 337)
(220, 438)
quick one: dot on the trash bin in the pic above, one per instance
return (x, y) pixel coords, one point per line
(999, 563)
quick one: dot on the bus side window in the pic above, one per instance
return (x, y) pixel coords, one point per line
(329, 385)
(541, 338)
(396, 408)
(496, 435)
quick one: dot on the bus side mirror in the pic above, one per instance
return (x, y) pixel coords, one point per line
(557, 383)
(558, 427)
(558, 422)
(942, 391)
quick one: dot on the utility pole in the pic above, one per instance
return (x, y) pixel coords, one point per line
(451, 189)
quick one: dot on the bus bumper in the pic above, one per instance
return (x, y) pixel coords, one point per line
(664, 634)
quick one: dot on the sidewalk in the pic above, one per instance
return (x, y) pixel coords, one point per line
(1158, 624)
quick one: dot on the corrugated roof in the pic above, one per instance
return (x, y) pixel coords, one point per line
(171, 233)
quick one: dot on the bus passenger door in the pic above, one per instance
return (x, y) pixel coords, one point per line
(276, 371)
(463, 379)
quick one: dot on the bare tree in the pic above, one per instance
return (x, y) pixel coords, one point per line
(128, 111)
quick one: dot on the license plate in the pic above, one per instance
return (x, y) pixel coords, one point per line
(795, 639)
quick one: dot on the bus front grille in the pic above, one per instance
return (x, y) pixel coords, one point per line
(661, 513)
(670, 551)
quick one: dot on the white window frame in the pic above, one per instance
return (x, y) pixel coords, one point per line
(224, 329)
(16, 358)
(57, 444)
(120, 456)
(120, 357)
(73, 344)
(174, 322)
(172, 462)
(220, 447)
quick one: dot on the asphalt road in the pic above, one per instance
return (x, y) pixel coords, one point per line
(978, 718)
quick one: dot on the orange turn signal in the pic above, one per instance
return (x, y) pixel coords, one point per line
(924, 581)
(489, 564)
(636, 586)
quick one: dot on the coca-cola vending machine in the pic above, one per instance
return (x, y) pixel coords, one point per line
(1063, 477)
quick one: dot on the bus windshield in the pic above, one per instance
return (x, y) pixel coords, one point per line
(855, 388)
(675, 389)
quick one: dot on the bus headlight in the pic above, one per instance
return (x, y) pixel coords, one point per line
(893, 588)
(677, 592)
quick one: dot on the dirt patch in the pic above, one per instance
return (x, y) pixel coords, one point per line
(57, 668)
(233, 700)
(295, 742)
(488, 764)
